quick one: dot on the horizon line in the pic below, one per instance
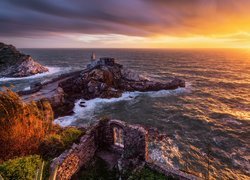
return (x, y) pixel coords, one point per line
(134, 48)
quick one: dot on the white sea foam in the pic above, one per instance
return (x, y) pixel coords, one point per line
(52, 70)
(94, 105)
(90, 107)
(27, 88)
(164, 152)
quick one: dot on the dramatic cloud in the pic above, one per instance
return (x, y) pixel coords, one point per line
(139, 18)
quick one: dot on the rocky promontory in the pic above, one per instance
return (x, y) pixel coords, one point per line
(105, 78)
(15, 64)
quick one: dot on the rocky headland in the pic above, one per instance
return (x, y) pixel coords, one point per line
(15, 64)
(106, 79)
(103, 78)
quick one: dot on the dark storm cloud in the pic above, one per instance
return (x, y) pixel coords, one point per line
(129, 17)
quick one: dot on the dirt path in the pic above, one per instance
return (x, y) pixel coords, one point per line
(47, 91)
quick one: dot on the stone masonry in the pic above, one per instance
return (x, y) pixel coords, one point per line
(129, 141)
(101, 136)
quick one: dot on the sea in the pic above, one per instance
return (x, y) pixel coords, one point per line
(206, 125)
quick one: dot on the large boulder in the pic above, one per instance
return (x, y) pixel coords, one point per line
(15, 64)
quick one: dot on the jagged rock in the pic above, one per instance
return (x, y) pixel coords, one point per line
(15, 64)
(107, 79)
(132, 76)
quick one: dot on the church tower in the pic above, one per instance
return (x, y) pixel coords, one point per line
(93, 56)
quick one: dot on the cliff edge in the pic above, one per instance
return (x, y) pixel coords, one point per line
(15, 64)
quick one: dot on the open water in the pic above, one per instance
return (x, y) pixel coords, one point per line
(211, 114)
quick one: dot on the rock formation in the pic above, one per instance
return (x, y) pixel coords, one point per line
(15, 64)
(103, 78)
(106, 79)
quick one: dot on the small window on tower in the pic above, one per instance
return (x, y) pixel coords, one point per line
(118, 137)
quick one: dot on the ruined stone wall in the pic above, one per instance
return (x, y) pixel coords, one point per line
(101, 136)
(135, 139)
(78, 156)
(135, 142)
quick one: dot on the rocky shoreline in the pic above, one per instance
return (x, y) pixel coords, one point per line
(16, 64)
(103, 78)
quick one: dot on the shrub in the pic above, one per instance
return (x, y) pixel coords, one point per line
(23, 168)
(22, 125)
(54, 144)
(70, 135)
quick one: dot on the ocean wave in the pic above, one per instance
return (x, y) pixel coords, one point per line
(52, 70)
(26, 88)
(93, 105)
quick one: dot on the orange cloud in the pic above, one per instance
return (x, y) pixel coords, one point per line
(131, 23)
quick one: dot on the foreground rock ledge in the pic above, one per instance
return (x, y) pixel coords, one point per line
(15, 64)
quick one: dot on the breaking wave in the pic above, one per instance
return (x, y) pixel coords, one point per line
(94, 105)
(52, 71)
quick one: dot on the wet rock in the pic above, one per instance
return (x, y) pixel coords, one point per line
(178, 82)
(15, 64)
(82, 104)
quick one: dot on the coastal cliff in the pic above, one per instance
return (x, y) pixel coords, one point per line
(15, 64)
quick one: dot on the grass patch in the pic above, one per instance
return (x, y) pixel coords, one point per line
(148, 174)
(54, 144)
(23, 168)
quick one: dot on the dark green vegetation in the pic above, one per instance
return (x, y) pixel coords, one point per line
(99, 170)
(53, 145)
(9, 56)
(147, 174)
(23, 168)
(28, 136)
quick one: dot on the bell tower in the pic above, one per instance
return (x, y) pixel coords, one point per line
(93, 56)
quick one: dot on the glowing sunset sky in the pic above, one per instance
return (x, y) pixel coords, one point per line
(125, 23)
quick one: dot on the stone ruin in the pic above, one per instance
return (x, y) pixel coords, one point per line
(103, 61)
(127, 144)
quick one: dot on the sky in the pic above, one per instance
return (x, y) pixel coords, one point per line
(125, 23)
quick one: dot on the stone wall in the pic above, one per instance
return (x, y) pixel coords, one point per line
(134, 136)
(101, 137)
(78, 156)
